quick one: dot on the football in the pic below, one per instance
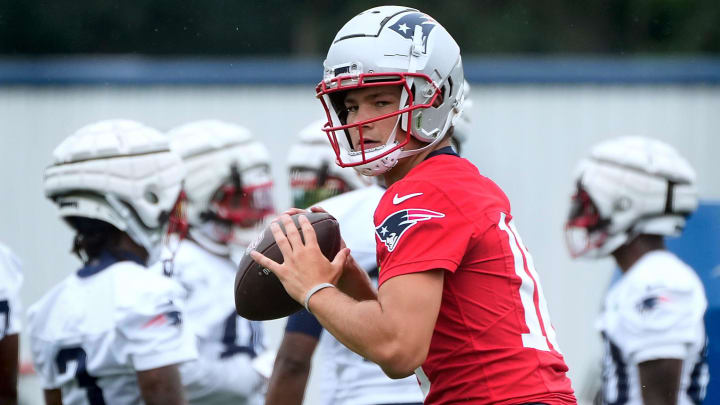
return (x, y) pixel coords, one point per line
(259, 295)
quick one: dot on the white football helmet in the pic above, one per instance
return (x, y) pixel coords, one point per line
(392, 46)
(228, 183)
(629, 186)
(120, 172)
(314, 176)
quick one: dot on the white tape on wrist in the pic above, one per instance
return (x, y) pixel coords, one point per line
(313, 291)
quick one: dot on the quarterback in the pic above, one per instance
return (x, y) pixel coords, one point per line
(459, 301)
(346, 377)
(631, 193)
(228, 187)
(112, 332)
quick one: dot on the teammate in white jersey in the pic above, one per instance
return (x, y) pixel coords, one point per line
(631, 192)
(346, 378)
(112, 332)
(10, 309)
(228, 186)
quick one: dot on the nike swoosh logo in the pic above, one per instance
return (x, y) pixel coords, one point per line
(397, 199)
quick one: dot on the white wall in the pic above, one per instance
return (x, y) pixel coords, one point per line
(526, 138)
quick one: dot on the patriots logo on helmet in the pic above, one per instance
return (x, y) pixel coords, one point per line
(406, 26)
(394, 225)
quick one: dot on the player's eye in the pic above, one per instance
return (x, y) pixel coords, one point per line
(351, 108)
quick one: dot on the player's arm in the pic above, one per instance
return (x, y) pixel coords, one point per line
(660, 381)
(291, 370)
(355, 282)
(53, 397)
(402, 319)
(8, 369)
(161, 386)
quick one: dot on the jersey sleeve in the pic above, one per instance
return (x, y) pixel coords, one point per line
(150, 325)
(418, 228)
(304, 322)
(42, 362)
(41, 351)
(661, 320)
(10, 282)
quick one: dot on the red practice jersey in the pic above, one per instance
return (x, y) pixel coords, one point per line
(493, 342)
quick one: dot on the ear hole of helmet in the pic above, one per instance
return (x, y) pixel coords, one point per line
(150, 195)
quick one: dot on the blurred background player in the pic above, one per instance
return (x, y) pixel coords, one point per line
(10, 309)
(631, 193)
(314, 176)
(112, 332)
(228, 185)
(345, 377)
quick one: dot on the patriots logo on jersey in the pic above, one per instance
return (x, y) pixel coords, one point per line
(172, 317)
(406, 26)
(395, 225)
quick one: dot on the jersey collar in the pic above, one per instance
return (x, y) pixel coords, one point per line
(105, 260)
(447, 150)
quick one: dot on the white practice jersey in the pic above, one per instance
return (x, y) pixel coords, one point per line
(655, 311)
(227, 343)
(92, 332)
(10, 282)
(349, 379)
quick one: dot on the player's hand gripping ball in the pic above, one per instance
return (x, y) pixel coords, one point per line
(259, 295)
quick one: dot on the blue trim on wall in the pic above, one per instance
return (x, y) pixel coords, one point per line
(138, 70)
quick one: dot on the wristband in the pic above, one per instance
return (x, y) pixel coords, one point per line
(313, 291)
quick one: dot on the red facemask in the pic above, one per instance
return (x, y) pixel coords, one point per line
(331, 94)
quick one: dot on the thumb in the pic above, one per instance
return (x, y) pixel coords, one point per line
(341, 257)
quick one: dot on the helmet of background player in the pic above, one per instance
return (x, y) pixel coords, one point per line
(392, 46)
(228, 183)
(120, 172)
(627, 187)
(314, 176)
(463, 126)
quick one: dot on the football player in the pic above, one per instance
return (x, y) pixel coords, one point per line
(10, 309)
(631, 193)
(346, 377)
(229, 197)
(112, 332)
(459, 301)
